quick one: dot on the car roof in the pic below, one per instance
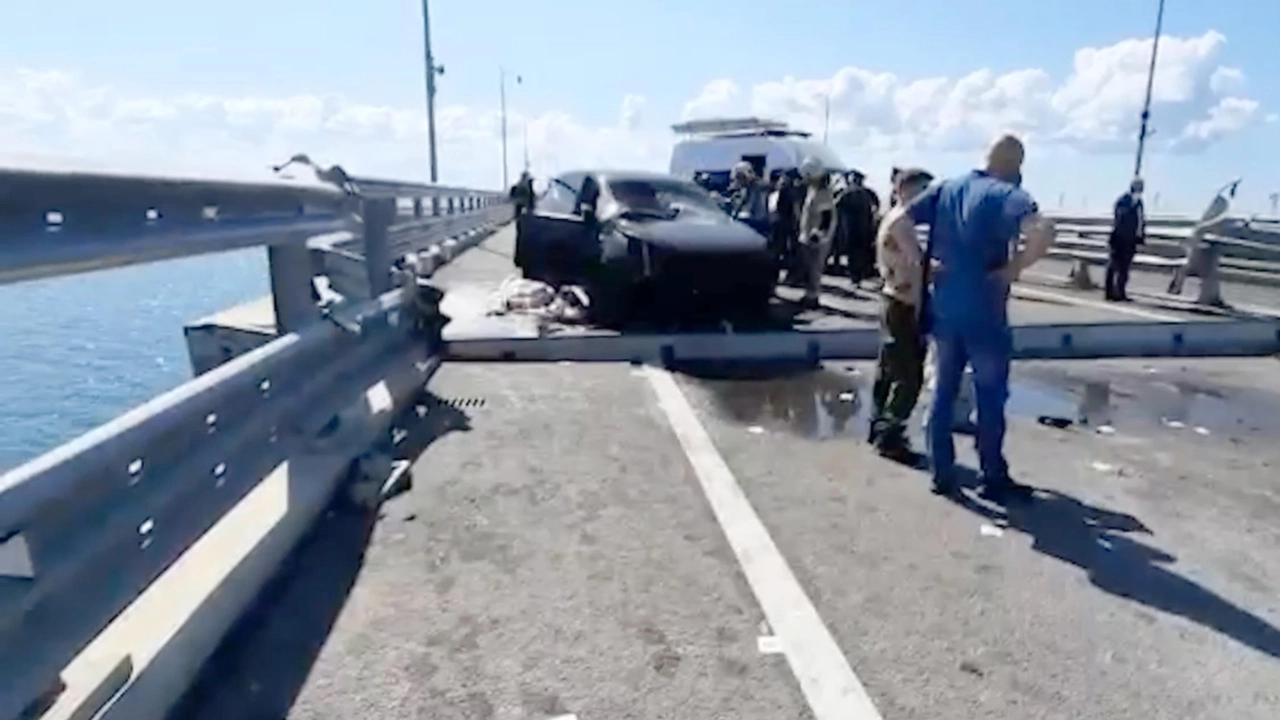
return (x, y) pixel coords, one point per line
(632, 175)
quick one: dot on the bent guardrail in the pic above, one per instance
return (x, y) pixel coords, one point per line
(89, 529)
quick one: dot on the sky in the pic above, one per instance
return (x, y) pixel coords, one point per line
(228, 88)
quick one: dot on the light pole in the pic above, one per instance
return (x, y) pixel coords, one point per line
(502, 100)
(432, 71)
(1146, 105)
(826, 116)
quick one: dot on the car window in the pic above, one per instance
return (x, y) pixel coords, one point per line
(661, 196)
(559, 198)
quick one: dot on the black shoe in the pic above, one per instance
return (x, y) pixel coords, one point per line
(902, 454)
(1007, 490)
(947, 487)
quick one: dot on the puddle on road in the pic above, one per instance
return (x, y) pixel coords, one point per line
(818, 404)
(835, 402)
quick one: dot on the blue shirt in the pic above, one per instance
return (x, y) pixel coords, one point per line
(974, 221)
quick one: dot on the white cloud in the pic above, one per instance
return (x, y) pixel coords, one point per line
(1096, 108)
(873, 114)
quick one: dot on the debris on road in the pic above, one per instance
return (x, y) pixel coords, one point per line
(518, 295)
(769, 645)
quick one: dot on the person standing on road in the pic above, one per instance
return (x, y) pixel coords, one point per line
(974, 223)
(782, 219)
(1126, 235)
(864, 205)
(749, 202)
(900, 369)
(817, 227)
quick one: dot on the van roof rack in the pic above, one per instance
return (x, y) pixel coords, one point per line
(724, 127)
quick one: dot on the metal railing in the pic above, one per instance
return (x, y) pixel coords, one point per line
(88, 527)
(1239, 250)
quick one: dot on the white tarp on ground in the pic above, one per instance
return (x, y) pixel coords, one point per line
(522, 296)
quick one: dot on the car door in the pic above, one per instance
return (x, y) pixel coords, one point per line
(554, 243)
(539, 232)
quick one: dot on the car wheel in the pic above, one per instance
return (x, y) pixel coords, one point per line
(754, 300)
(610, 305)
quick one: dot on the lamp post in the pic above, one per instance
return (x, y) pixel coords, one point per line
(826, 116)
(502, 100)
(1146, 105)
(432, 71)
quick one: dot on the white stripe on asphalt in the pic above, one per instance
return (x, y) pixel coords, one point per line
(829, 684)
(1024, 291)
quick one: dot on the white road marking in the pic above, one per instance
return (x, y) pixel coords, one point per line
(1024, 291)
(827, 681)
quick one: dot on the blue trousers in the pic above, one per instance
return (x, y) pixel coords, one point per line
(989, 351)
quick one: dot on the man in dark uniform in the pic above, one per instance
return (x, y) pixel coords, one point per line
(858, 217)
(1126, 235)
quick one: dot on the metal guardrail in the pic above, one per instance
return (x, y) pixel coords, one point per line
(1030, 342)
(88, 526)
(1240, 250)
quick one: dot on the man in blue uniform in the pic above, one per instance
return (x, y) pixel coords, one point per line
(974, 223)
(1126, 235)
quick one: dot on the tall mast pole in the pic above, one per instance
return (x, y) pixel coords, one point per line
(1146, 105)
(502, 100)
(432, 71)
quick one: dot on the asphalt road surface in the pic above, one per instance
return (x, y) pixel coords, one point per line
(608, 542)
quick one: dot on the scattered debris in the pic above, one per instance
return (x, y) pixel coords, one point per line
(847, 396)
(1106, 430)
(1200, 430)
(755, 430)
(1054, 421)
(769, 645)
(988, 530)
(1175, 424)
(568, 304)
(1103, 467)
(972, 668)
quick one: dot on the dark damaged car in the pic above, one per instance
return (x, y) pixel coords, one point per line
(642, 243)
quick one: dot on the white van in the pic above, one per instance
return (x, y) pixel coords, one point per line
(714, 146)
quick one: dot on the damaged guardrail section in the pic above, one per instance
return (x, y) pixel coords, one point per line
(88, 528)
(127, 553)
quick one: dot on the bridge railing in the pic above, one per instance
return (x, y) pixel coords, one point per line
(89, 527)
(1234, 249)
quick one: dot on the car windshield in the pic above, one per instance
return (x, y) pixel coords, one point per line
(663, 198)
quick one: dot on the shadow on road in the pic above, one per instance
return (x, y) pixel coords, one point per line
(1103, 543)
(262, 665)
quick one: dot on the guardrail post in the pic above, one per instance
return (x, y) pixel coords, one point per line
(378, 214)
(292, 289)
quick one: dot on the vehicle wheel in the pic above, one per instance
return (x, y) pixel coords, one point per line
(754, 301)
(610, 303)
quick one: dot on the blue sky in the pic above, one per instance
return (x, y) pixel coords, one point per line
(664, 51)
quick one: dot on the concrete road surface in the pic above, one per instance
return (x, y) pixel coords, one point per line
(613, 542)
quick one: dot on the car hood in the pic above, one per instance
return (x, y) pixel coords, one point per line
(695, 235)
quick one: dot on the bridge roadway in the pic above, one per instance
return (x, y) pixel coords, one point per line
(558, 554)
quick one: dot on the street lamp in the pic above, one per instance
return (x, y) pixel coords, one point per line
(502, 99)
(1146, 105)
(432, 71)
